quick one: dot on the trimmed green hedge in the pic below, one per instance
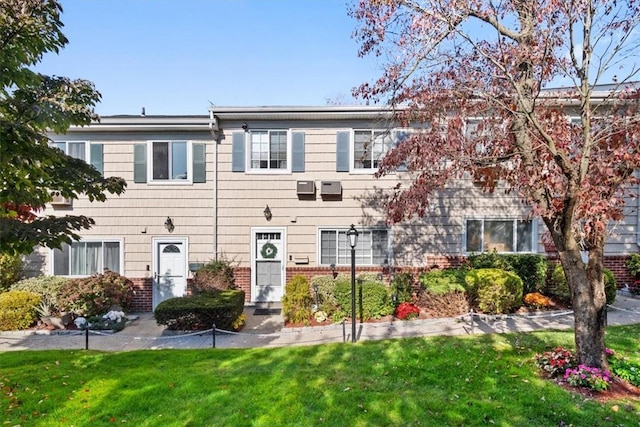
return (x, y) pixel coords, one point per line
(374, 295)
(494, 291)
(201, 311)
(531, 268)
(296, 302)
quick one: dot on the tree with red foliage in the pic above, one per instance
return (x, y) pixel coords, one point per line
(32, 104)
(450, 60)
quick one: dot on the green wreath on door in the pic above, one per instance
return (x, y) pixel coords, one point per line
(268, 251)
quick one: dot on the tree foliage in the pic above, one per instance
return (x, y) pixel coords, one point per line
(451, 60)
(31, 104)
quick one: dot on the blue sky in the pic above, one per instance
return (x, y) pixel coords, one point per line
(178, 56)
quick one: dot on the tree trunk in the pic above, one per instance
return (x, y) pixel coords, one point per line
(589, 304)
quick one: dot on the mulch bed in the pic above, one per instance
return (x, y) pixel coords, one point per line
(618, 390)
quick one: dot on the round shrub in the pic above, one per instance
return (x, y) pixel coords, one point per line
(372, 299)
(18, 309)
(10, 270)
(296, 302)
(97, 294)
(47, 286)
(216, 275)
(496, 291)
(558, 288)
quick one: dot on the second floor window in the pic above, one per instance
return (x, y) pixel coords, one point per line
(76, 149)
(369, 147)
(269, 149)
(170, 160)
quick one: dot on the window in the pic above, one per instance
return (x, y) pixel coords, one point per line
(269, 150)
(169, 160)
(501, 235)
(369, 147)
(90, 153)
(87, 257)
(372, 247)
(75, 149)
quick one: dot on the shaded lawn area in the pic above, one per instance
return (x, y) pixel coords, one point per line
(447, 381)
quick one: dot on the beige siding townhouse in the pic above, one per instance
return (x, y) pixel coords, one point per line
(273, 190)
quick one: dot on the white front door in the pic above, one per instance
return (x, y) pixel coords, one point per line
(170, 272)
(267, 278)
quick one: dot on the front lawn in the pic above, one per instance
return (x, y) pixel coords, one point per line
(446, 381)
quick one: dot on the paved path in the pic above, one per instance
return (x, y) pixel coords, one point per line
(268, 331)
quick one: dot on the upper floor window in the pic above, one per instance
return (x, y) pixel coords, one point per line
(76, 149)
(372, 247)
(85, 258)
(501, 235)
(90, 153)
(269, 150)
(182, 162)
(369, 147)
(169, 160)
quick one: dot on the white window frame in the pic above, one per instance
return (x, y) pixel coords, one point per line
(359, 248)
(390, 138)
(66, 143)
(92, 239)
(189, 160)
(514, 243)
(249, 145)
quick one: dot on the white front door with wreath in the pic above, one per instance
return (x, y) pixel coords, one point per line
(268, 275)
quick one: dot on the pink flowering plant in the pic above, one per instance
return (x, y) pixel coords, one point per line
(555, 362)
(585, 376)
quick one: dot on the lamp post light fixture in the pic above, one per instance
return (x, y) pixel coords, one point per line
(352, 236)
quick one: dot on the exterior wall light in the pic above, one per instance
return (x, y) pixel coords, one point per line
(168, 224)
(267, 213)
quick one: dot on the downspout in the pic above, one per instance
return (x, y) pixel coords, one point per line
(215, 133)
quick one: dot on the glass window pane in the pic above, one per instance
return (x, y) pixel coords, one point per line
(112, 256)
(525, 236)
(344, 250)
(62, 146)
(328, 247)
(76, 150)
(474, 235)
(179, 160)
(160, 160)
(498, 235)
(278, 150)
(61, 261)
(380, 246)
(362, 150)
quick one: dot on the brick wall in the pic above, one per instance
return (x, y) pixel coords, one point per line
(143, 294)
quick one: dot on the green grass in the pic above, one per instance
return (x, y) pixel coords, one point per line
(436, 381)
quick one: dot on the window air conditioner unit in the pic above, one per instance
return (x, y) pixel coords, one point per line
(306, 187)
(60, 201)
(331, 188)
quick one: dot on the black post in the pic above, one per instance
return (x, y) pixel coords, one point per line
(353, 294)
(86, 338)
(214, 335)
(344, 331)
(471, 314)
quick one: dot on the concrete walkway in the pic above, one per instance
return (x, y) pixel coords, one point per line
(268, 331)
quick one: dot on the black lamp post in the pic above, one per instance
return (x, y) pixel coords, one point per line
(352, 235)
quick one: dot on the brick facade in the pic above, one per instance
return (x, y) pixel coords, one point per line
(143, 294)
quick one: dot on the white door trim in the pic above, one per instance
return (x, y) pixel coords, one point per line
(155, 242)
(254, 256)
